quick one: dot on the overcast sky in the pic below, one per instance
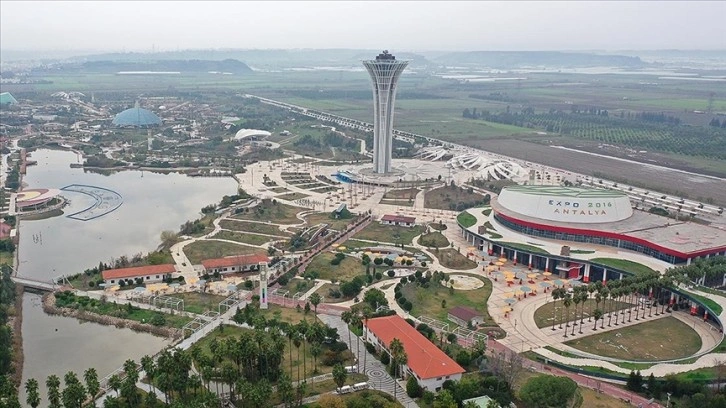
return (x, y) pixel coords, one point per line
(408, 25)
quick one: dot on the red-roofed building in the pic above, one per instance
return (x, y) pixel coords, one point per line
(426, 362)
(231, 264)
(138, 275)
(401, 220)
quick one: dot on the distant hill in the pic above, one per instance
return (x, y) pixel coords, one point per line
(265, 58)
(183, 66)
(518, 59)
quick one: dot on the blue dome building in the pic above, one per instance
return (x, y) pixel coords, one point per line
(136, 117)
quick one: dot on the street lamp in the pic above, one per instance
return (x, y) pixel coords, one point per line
(668, 403)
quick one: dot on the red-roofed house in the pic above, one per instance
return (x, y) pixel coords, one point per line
(138, 275)
(401, 220)
(231, 264)
(426, 362)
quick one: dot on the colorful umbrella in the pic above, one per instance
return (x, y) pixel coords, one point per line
(510, 301)
(506, 309)
(525, 289)
(502, 260)
(545, 284)
(558, 282)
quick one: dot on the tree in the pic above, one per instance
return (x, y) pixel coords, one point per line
(315, 300)
(555, 296)
(31, 389)
(331, 401)
(597, 314)
(115, 383)
(545, 391)
(567, 301)
(74, 393)
(413, 389)
(445, 400)
(398, 358)
(635, 381)
(90, 377)
(54, 396)
(339, 374)
(285, 390)
(375, 298)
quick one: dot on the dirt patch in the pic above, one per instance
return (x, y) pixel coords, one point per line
(465, 282)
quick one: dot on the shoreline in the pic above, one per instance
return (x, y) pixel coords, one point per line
(18, 360)
(49, 307)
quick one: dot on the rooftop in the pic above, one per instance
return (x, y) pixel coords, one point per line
(36, 196)
(123, 273)
(398, 218)
(681, 238)
(252, 259)
(578, 192)
(137, 117)
(424, 358)
(464, 313)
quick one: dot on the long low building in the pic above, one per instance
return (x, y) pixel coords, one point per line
(604, 217)
(426, 362)
(138, 275)
(232, 264)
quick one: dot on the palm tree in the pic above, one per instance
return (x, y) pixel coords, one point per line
(347, 317)
(31, 389)
(576, 301)
(584, 295)
(398, 356)
(302, 327)
(296, 340)
(591, 288)
(367, 313)
(53, 385)
(115, 383)
(597, 314)
(356, 322)
(315, 301)
(555, 296)
(567, 301)
(90, 377)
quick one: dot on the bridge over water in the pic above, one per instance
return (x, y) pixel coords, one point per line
(36, 284)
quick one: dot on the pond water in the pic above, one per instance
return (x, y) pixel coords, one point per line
(152, 203)
(54, 246)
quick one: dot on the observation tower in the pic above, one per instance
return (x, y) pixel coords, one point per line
(385, 71)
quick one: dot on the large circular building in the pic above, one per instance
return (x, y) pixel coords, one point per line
(35, 201)
(571, 215)
(136, 117)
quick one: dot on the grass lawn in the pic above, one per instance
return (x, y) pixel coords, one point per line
(662, 339)
(246, 238)
(324, 291)
(208, 249)
(199, 303)
(524, 247)
(433, 239)
(624, 265)
(401, 194)
(466, 220)
(715, 307)
(438, 226)
(324, 218)
(302, 360)
(451, 258)
(348, 269)
(448, 197)
(292, 196)
(387, 233)
(543, 316)
(297, 285)
(427, 301)
(280, 213)
(287, 314)
(242, 226)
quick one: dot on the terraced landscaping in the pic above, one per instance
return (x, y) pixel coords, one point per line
(259, 228)
(208, 249)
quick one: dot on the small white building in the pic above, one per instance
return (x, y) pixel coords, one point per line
(400, 220)
(426, 362)
(138, 275)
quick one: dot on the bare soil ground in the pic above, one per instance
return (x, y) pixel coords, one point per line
(668, 181)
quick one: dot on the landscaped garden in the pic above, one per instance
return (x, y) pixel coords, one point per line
(434, 299)
(545, 314)
(348, 268)
(453, 198)
(208, 249)
(662, 339)
(624, 265)
(256, 227)
(378, 232)
(245, 238)
(451, 258)
(337, 224)
(271, 210)
(466, 220)
(434, 240)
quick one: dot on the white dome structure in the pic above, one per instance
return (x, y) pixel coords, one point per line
(495, 169)
(433, 153)
(248, 133)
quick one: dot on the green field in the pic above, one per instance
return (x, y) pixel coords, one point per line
(260, 228)
(433, 239)
(348, 269)
(196, 302)
(451, 258)
(280, 213)
(245, 238)
(543, 316)
(624, 265)
(378, 232)
(208, 249)
(663, 339)
(427, 301)
(466, 220)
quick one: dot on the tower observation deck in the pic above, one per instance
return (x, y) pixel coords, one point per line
(385, 71)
